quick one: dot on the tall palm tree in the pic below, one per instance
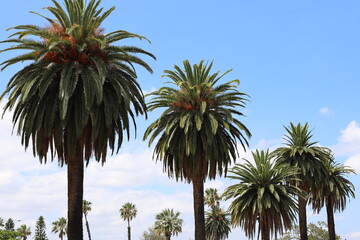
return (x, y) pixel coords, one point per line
(86, 209)
(262, 199)
(334, 192)
(128, 212)
(217, 224)
(24, 231)
(168, 223)
(301, 152)
(77, 95)
(198, 131)
(60, 226)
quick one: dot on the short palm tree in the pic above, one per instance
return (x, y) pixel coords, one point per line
(217, 224)
(198, 132)
(261, 199)
(168, 223)
(86, 209)
(60, 226)
(77, 95)
(128, 212)
(334, 192)
(299, 151)
(2, 224)
(24, 231)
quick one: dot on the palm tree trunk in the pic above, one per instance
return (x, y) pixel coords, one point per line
(75, 175)
(87, 226)
(168, 236)
(198, 193)
(330, 220)
(216, 237)
(302, 218)
(129, 231)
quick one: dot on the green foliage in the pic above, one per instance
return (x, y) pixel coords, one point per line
(197, 132)
(10, 225)
(24, 231)
(301, 152)
(315, 232)
(150, 234)
(9, 235)
(2, 224)
(168, 223)
(335, 187)
(40, 229)
(60, 226)
(79, 90)
(261, 199)
(217, 224)
(128, 211)
(211, 197)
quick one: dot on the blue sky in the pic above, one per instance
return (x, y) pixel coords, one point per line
(298, 60)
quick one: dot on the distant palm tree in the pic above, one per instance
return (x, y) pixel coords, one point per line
(261, 199)
(168, 223)
(79, 94)
(128, 212)
(301, 152)
(211, 197)
(217, 224)
(60, 226)
(86, 210)
(334, 192)
(10, 225)
(198, 132)
(25, 231)
(2, 224)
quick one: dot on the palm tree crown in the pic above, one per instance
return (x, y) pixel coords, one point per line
(128, 211)
(168, 223)
(198, 129)
(217, 224)
(211, 197)
(261, 196)
(25, 231)
(60, 226)
(79, 88)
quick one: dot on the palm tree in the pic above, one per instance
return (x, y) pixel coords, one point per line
(334, 192)
(24, 231)
(217, 224)
(212, 232)
(198, 131)
(77, 95)
(86, 209)
(2, 224)
(211, 197)
(60, 226)
(168, 223)
(128, 212)
(301, 152)
(262, 198)
(10, 225)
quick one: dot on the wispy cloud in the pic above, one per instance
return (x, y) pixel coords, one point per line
(327, 111)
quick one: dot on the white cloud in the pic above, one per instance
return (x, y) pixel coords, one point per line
(326, 111)
(349, 145)
(355, 235)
